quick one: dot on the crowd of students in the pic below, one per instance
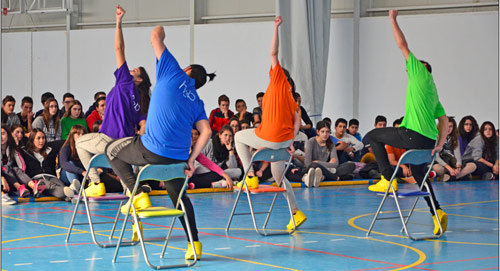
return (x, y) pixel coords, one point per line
(39, 154)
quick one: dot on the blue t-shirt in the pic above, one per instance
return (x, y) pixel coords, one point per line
(174, 109)
(123, 110)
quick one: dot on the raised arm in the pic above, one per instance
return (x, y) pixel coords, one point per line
(398, 34)
(119, 44)
(157, 38)
(275, 42)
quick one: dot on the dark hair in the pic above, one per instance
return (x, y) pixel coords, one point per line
(68, 95)
(322, 124)
(353, 122)
(71, 140)
(397, 122)
(290, 80)
(46, 96)
(427, 65)
(7, 99)
(225, 128)
(240, 101)
(340, 120)
(490, 144)
(328, 120)
(99, 93)
(296, 96)
(14, 127)
(260, 94)
(236, 119)
(223, 98)
(475, 128)
(144, 91)
(98, 100)
(95, 126)
(380, 118)
(46, 115)
(30, 147)
(454, 133)
(11, 143)
(73, 103)
(199, 74)
(27, 99)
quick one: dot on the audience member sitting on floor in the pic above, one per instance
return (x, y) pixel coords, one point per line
(367, 152)
(244, 125)
(92, 107)
(468, 129)
(13, 168)
(96, 126)
(347, 144)
(257, 111)
(207, 173)
(352, 129)
(26, 115)
(98, 113)
(483, 151)
(72, 170)
(72, 117)
(243, 114)
(49, 121)
(17, 132)
(220, 116)
(449, 160)
(321, 159)
(45, 96)
(68, 98)
(9, 118)
(40, 161)
(306, 124)
(235, 124)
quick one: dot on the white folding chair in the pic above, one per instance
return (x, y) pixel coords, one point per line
(159, 173)
(268, 155)
(97, 161)
(412, 157)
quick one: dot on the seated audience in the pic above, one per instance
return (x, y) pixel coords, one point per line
(9, 118)
(220, 116)
(72, 170)
(18, 134)
(483, 151)
(44, 99)
(468, 129)
(49, 122)
(92, 107)
(306, 124)
(98, 113)
(96, 126)
(72, 117)
(244, 125)
(257, 111)
(243, 114)
(352, 129)
(68, 98)
(235, 124)
(26, 115)
(347, 144)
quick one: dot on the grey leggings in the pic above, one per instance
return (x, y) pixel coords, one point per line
(247, 138)
(53, 186)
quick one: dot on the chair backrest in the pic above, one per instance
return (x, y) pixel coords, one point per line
(99, 161)
(416, 157)
(270, 155)
(162, 172)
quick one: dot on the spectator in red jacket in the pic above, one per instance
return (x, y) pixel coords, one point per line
(220, 116)
(98, 113)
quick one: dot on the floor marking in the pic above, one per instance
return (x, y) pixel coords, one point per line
(23, 263)
(473, 230)
(477, 217)
(495, 229)
(222, 248)
(282, 244)
(127, 256)
(91, 259)
(159, 253)
(307, 242)
(62, 261)
(419, 233)
(253, 246)
(463, 260)
(341, 239)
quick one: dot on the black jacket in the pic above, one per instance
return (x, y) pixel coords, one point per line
(47, 166)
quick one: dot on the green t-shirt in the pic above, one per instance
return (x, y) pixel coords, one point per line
(422, 106)
(67, 123)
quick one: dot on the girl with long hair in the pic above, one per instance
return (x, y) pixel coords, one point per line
(72, 170)
(468, 129)
(73, 116)
(17, 132)
(49, 122)
(13, 167)
(483, 151)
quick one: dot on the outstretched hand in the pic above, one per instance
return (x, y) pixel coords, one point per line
(278, 21)
(437, 149)
(120, 12)
(189, 171)
(393, 13)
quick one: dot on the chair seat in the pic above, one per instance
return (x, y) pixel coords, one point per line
(159, 211)
(263, 189)
(402, 193)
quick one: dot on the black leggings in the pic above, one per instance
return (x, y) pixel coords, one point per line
(341, 170)
(125, 152)
(482, 168)
(204, 180)
(405, 139)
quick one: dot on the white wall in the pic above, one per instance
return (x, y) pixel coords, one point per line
(462, 48)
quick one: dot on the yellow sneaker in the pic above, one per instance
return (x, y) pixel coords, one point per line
(252, 182)
(95, 190)
(443, 218)
(135, 235)
(189, 252)
(299, 218)
(382, 185)
(140, 201)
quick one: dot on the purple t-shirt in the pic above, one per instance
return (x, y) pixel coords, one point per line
(123, 110)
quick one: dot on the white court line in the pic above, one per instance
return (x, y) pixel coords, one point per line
(63, 261)
(495, 229)
(306, 242)
(473, 230)
(449, 231)
(282, 244)
(253, 246)
(333, 240)
(91, 259)
(222, 248)
(419, 233)
(23, 263)
(159, 253)
(127, 256)
(366, 237)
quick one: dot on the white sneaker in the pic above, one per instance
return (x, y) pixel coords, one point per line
(6, 200)
(309, 177)
(318, 177)
(75, 186)
(219, 184)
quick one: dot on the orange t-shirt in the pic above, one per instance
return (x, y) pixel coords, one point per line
(396, 151)
(278, 109)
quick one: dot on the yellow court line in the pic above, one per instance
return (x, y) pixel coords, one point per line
(59, 227)
(478, 217)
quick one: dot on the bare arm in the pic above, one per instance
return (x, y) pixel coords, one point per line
(442, 133)
(157, 38)
(119, 44)
(275, 42)
(142, 124)
(398, 34)
(205, 133)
